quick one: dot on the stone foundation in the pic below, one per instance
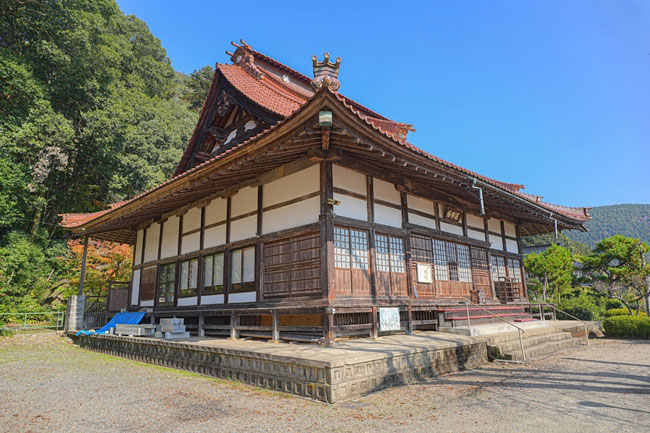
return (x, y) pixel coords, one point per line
(74, 315)
(324, 374)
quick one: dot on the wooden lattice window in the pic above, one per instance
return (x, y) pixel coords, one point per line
(213, 274)
(167, 283)
(189, 277)
(514, 269)
(242, 270)
(148, 284)
(498, 268)
(390, 254)
(350, 248)
(452, 261)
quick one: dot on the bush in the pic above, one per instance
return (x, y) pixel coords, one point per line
(583, 307)
(620, 312)
(613, 304)
(627, 326)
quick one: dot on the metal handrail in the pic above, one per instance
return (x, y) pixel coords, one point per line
(570, 315)
(520, 330)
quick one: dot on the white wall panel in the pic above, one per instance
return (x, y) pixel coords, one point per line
(292, 186)
(293, 215)
(187, 301)
(151, 242)
(244, 201)
(235, 298)
(475, 221)
(214, 236)
(388, 216)
(450, 228)
(422, 221)
(494, 225)
(476, 234)
(243, 229)
(496, 242)
(421, 204)
(191, 243)
(386, 191)
(192, 219)
(135, 288)
(349, 180)
(351, 207)
(510, 229)
(212, 299)
(170, 238)
(512, 246)
(216, 211)
(137, 251)
(146, 303)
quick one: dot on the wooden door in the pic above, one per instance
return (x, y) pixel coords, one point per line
(481, 271)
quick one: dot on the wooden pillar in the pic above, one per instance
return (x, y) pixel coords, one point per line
(201, 331)
(409, 321)
(411, 290)
(328, 326)
(199, 280)
(374, 333)
(234, 326)
(259, 257)
(227, 272)
(327, 230)
(84, 256)
(275, 328)
(370, 199)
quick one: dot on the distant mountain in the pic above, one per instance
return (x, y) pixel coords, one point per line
(631, 220)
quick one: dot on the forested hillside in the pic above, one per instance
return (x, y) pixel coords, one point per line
(91, 112)
(631, 220)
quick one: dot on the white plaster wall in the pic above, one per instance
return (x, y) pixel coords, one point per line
(244, 228)
(349, 179)
(147, 303)
(187, 301)
(151, 243)
(510, 229)
(293, 215)
(137, 251)
(292, 186)
(212, 299)
(450, 228)
(475, 221)
(170, 238)
(386, 191)
(496, 242)
(244, 201)
(191, 243)
(351, 207)
(192, 219)
(216, 211)
(215, 236)
(512, 246)
(388, 216)
(135, 287)
(475, 234)
(420, 204)
(422, 221)
(235, 298)
(494, 225)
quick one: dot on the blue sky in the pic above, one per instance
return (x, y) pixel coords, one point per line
(551, 94)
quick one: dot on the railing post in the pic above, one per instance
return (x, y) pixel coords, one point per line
(25, 322)
(521, 343)
(469, 324)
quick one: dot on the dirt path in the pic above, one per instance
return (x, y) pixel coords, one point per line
(48, 385)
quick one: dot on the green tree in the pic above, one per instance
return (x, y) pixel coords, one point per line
(197, 87)
(618, 267)
(553, 267)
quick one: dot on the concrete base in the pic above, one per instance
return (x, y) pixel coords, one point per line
(493, 328)
(74, 316)
(346, 371)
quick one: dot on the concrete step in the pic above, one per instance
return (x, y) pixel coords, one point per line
(544, 349)
(530, 342)
(505, 337)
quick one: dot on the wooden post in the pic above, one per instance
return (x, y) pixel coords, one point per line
(234, 326)
(326, 230)
(328, 326)
(82, 277)
(375, 326)
(201, 331)
(275, 331)
(411, 290)
(370, 198)
(259, 257)
(409, 321)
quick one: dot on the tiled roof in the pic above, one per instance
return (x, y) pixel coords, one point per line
(72, 220)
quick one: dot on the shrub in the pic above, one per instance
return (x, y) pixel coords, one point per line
(620, 312)
(627, 326)
(613, 304)
(583, 307)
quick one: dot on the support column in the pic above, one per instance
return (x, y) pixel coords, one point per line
(83, 266)
(74, 318)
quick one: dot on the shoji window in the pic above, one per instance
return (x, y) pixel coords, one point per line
(213, 274)
(498, 268)
(189, 277)
(514, 269)
(452, 261)
(390, 254)
(242, 270)
(350, 248)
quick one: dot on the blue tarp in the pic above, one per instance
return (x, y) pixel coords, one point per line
(126, 318)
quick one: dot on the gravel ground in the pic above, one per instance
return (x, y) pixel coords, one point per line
(49, 385)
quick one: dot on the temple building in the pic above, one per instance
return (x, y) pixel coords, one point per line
(298, 213)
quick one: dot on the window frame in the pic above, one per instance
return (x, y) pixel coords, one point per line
(242, 286)
(189, 291)
(164, 272)
(213, 289)
(386, 260)
(348, 248)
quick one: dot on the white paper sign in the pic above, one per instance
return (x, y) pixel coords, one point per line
(389, 319)
(424, 273)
